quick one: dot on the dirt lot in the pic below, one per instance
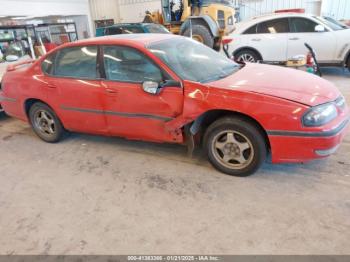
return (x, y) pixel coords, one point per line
(96, 195)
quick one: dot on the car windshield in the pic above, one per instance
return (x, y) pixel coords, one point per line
(332, 23)
(192, 60)
(158, 29)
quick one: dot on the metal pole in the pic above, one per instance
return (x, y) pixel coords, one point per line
(190, 28)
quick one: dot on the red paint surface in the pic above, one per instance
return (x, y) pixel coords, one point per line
(296, 10)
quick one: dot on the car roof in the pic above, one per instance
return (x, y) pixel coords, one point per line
(241, 26)
(281, 15)
(132, 39)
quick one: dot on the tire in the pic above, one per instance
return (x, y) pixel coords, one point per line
(45, 123)
(348, 63)
(201, 32)
(217, 45)
(240, 142)
(246, 55)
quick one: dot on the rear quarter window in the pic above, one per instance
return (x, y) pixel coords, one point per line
(251, 30)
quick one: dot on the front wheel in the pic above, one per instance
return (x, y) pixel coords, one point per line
(235, 146)
(45, 123)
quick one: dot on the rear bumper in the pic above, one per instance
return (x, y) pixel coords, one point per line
(299, 147)
(10, 105)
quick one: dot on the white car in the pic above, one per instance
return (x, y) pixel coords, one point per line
(279, 37)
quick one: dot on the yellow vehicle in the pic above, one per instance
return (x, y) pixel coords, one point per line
(207, 24)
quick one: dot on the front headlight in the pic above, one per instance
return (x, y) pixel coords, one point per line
(341, 103)
(320, 115)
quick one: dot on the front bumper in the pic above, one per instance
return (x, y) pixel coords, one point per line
(299, 147)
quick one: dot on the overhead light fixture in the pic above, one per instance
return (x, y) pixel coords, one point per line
(23, 17)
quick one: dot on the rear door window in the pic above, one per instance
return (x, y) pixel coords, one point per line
(158, 29)
(276, 26)
(115, 30)
(77, 62)
(132, 29)
(302, 25)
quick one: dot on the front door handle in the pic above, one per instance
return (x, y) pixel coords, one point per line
(111, 91)
(294, 38)
(51, 85)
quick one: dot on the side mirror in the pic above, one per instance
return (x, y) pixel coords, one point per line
(320, 28)
(150, 87)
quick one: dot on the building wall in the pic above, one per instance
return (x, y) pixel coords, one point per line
(122, 10)
(134, 10)
(339, 9)
(43, 8)
(105, 9)
(251, 8)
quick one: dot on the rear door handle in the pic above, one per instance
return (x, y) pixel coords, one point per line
(294, 38)
(256, 39)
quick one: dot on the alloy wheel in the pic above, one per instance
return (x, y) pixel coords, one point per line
(246, 58)
(45, 122)
(232, 149)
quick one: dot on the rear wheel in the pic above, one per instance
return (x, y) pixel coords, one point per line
(45, 123)
(235, 146)
(247, 56)
(201, 34)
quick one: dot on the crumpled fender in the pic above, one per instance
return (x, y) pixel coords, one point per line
(195, 104)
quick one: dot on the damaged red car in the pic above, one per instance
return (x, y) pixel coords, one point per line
(167, 88)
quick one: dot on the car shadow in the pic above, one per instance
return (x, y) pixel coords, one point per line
(4, 117)
(178, 153)
(335, 71)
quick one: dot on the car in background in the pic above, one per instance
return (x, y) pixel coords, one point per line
(279, 37)
(172, 89)
(131, 28)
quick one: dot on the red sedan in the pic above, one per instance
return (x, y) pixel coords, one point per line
(167, 88)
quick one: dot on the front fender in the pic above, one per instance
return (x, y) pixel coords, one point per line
(271, 113)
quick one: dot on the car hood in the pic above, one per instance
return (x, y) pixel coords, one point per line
(290, 84)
